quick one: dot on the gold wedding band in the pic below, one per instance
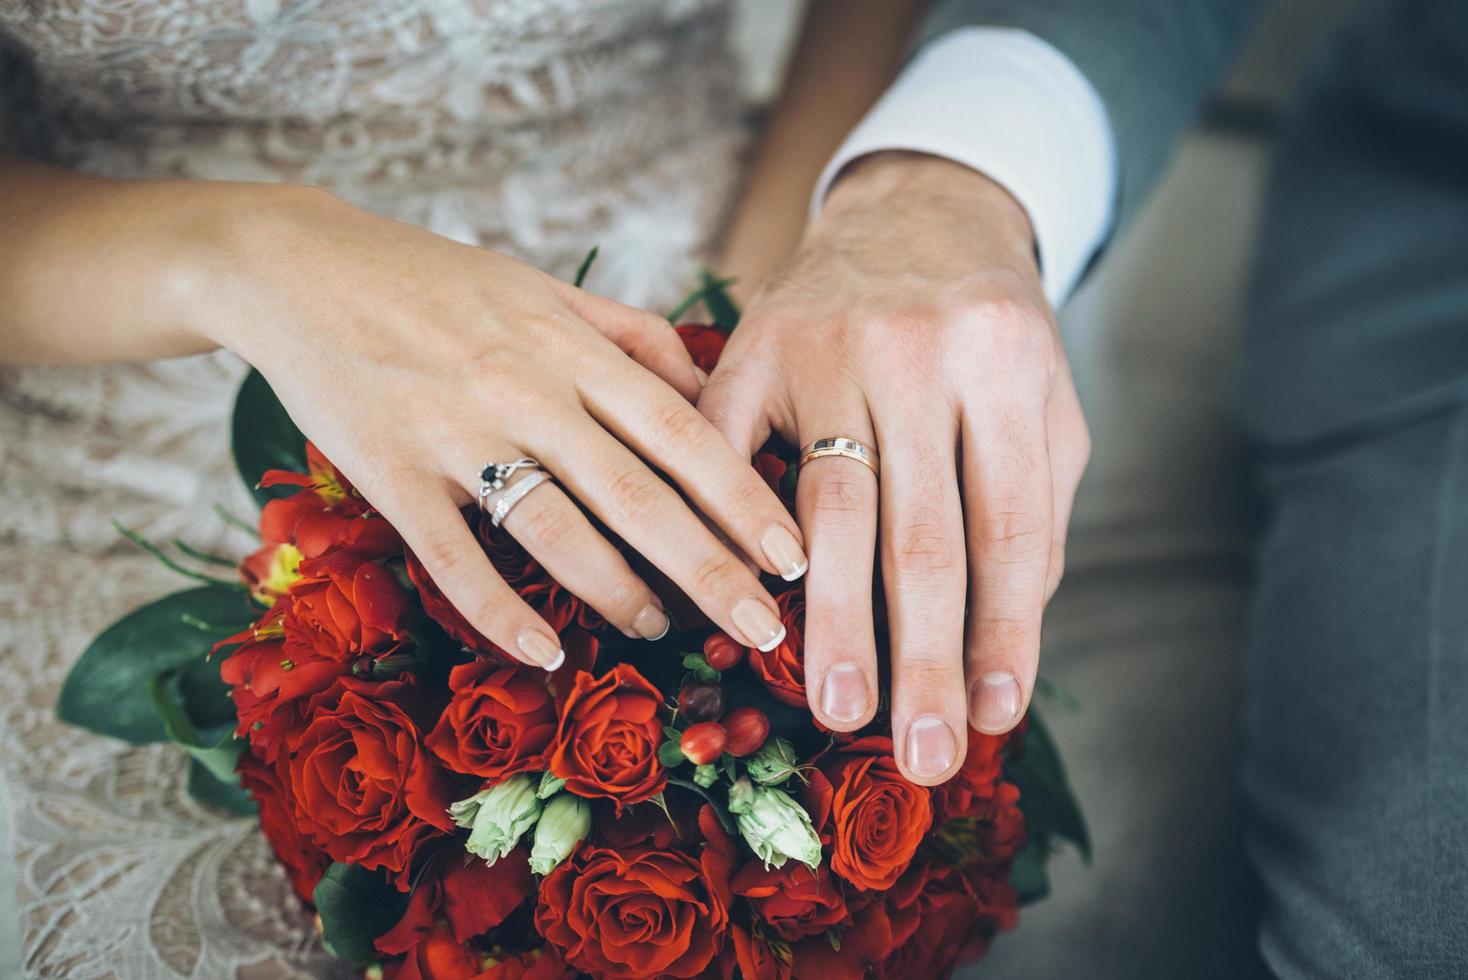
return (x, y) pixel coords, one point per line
(841, 446)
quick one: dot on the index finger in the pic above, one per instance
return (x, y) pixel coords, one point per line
(673, 435)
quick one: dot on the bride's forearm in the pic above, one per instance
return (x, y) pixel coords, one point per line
(94, 270)
(848, 51)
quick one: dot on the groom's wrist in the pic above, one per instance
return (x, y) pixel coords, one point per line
(919, 192)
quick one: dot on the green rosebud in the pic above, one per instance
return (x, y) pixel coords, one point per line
(497, 817)
(564, 824)
(550, 785)
(774, 826)
(774, 763)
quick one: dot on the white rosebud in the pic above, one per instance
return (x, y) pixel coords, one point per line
(564, 824)
(774, 825)
(550, 785)
(498, 817)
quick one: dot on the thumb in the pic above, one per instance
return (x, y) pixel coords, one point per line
(737, 402)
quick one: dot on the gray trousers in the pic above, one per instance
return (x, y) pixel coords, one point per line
(1355, 393)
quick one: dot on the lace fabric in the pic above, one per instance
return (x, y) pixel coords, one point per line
(538, 127)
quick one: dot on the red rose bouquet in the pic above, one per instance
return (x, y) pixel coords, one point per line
(663, 809)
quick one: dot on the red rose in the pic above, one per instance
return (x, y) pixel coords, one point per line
(756, 959)
(544, 963)
(471, 895)
(499, 721)
(704, 344)
(783, 668)
(344, 608)
(439, 956)
(607, 742)
(874, 818)
(936, 915)
(637, 913)
(304, 862)
(364, 787)
(559, 607)
(975, 781)
(794, 901)
(328, 513)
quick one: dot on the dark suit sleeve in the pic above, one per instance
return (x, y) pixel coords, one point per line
(1153, 62)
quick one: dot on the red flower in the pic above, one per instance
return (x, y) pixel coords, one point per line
(636, 913)
(499, 721)
(936, 916)
(304, 862)
(269, 685)
(874, 817)
(544, 963)
(471, 895)
(704, 344)
(794, 901)
(783, 668)
(344, 608)
(439, 956)
(364, 787)
(607, 742)
(975, 780)
(327, 514)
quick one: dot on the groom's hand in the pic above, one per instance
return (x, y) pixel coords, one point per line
(912, 318)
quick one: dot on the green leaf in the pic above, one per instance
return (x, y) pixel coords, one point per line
(230, 797)
(731, 766)
(216, 749)
(585, 266)
(264, 437)
(1030, 874)
(670, 732)
(697, 296)
(356, 906)
(788, 481)
(720, 811)
(721, 308)
(1049, 804)
(670, 754)
(107, 691)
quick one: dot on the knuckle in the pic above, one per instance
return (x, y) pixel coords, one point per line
(926, 548)
(443, 555)
(1008, 636)
(841, 499)
(546, 527)
(1011, 537)
(679, 426)
(716, 573)
(634, 494)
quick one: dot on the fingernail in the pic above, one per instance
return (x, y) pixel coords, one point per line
(994, 702)
(541, 649)
(758, 624)
(784, 553)
(930, 746)
(701, 375)
(844, 693)
(652, 623)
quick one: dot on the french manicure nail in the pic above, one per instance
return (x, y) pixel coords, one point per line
(844, 693)
(541, 649)
(994, 702)
(930, 746)
(701, 375)
(651, 623)
(784, 553)
(759, 626)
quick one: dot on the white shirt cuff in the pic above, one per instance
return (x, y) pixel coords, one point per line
(1011, 106)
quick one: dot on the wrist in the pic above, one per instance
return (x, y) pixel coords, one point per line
(933, 192)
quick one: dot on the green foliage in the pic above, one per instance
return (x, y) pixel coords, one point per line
(356, 906)
(108, 690)
(264, 437)
(585, 266)
(710, 292)
(1049, 804)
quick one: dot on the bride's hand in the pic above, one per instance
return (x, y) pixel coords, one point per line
(411, 360)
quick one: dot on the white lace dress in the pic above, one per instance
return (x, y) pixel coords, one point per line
(539, 127)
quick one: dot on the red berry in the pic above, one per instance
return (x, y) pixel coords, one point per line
(748, 728)
(704, 742)
(722, 652)
(701, 701)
